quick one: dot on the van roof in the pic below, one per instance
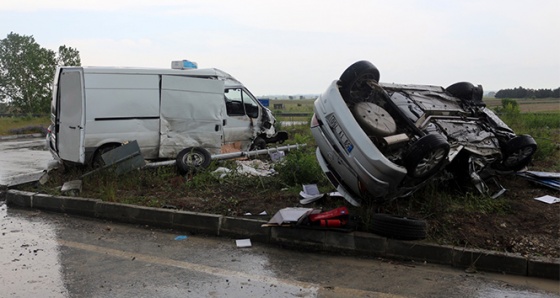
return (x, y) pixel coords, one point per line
(229, 80)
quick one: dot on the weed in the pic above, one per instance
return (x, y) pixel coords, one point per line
(300, 167)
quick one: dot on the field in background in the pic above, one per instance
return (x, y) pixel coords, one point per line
(283, 108)
(23, 125)
(527, 105)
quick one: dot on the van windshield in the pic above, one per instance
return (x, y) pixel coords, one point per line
(240, 103)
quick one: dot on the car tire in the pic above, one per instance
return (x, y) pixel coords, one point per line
(426, 156)
(517, 152)
(466, 91)
(193, 159)
(258, 144)
(398, 227)
(353, 86)
(97, 161)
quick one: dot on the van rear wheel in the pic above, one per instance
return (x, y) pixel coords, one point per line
(193, 159)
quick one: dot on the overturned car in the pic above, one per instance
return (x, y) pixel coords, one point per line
(377, 141)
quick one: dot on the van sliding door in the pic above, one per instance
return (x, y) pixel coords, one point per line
(71, 117)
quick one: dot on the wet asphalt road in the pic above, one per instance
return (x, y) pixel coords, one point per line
(54, 255)
(22, 160)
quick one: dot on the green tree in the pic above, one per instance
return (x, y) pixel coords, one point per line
(27, 71)
(68, 56)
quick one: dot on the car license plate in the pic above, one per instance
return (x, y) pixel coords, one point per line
(340, 135)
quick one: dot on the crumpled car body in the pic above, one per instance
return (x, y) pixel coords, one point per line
(377, 141)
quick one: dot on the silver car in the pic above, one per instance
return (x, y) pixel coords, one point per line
(378, 141)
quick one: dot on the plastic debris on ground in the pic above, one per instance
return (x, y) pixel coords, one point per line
(548, 199)
(310, 194)
(248, 167)
(548, 179)
(261, 214)
(181, 237)
(334, 218)
(289, 215)
(243, 242)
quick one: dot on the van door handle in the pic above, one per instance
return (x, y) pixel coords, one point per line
(224, 122)
(72, 127)
(217, 127)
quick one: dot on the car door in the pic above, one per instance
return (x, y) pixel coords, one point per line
(242, 112)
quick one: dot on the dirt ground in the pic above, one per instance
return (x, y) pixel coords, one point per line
(519, 224)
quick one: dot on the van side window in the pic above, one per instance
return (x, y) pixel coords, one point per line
(239, 103)
(234, 102)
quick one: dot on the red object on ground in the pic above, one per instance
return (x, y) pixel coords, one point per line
(331, 214)
(332, 223)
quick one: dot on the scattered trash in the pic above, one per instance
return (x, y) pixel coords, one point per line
(311, 194)
(254, 168)
(72, 188)
(277, 156)
(334, 218)
(547, 179)
(261, 214)
(221, 172)
(243, 242)
(548, 199)
(181, 237)
(289, 215)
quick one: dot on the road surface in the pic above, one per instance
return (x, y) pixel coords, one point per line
(55, 255)
(22, 160)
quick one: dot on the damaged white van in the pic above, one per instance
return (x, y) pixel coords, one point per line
(95, 109)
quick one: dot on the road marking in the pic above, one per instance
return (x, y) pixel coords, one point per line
(315, 288)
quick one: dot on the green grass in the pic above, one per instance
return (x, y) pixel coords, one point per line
(12, 125)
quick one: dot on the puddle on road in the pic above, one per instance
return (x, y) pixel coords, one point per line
(29, 256)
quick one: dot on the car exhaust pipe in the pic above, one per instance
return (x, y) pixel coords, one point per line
(395, 139)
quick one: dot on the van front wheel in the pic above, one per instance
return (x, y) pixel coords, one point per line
(193, 159)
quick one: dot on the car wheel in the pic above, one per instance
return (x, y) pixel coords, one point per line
(398, 227)
(426, 156)
(466, 91)
(258, 144)
(193, 159)
(354, 85)
(518, 152)
(97, 161)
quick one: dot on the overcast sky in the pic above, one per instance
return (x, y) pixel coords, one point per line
(299, 47)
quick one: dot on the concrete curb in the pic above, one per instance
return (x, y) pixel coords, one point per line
(358, 243)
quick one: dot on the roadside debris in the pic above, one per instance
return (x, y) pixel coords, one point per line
(548, 199)
(181, 237)
(310, 194)
(334, 218)
(243, 243)
(289, 216)
(72, 188)
(547, 179)
(309, 217)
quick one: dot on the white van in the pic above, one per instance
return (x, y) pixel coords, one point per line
(95, 109)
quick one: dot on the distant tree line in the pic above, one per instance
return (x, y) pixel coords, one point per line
(27, 73)
(521, 92)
